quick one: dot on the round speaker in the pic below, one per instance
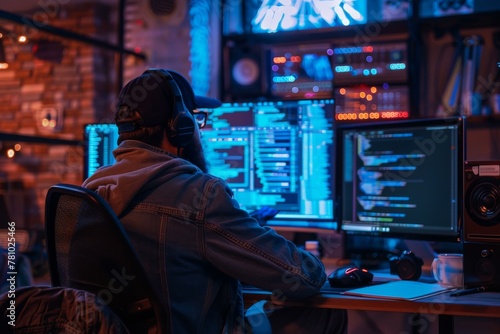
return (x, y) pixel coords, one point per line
(482, 201)
(485, 270)
(245, 71)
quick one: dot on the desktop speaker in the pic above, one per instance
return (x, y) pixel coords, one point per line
(481, 224)
(245, 71)
(481, 219)
(482, 265)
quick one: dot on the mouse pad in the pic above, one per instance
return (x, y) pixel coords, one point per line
(328, 289)
(325, 289)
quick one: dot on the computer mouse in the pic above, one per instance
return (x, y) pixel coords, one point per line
(349, 277)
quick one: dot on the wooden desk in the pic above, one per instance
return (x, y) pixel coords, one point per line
(443, 306)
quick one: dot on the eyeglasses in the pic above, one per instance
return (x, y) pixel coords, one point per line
(201, 118)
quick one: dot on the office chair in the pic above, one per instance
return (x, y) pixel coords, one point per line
(88, 249)
(45, 309)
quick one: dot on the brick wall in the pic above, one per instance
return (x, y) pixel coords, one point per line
(81, 87)
(164, 39)
(75, 87)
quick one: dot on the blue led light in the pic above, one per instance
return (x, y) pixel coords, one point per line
(397, 66)
(276, 15)
(284, 78)
(199, 15)
(343, 69)
(348, 50)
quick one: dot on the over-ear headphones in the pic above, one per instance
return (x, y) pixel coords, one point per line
(180, 127)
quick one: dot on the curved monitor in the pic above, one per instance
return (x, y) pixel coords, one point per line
(401, 179)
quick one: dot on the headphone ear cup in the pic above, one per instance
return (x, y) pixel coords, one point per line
(181, 129)
(181, 126)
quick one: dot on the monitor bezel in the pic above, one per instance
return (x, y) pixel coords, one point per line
(443, 236)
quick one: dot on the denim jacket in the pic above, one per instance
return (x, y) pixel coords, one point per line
(196, 243)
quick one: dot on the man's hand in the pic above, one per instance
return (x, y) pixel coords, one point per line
(264, 214)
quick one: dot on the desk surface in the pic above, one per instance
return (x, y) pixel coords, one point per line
(483, 304)
(441, 308)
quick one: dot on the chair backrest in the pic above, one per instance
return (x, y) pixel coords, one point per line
(88, 249)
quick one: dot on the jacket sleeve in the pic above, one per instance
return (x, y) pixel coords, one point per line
(237, 245)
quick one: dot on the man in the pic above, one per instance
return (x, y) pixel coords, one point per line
(195, 241)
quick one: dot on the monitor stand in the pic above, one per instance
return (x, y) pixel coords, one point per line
(424, 250)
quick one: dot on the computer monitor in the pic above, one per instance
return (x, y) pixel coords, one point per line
(401, 179)
(278, 154)
(100, 141)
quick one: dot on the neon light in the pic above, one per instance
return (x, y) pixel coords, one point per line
(341, 15)
(200, 50)
(374, 115)
(278, 15)
(397, 66)
(348, 50)
(353, 12)
(343, 69)
(279, 60)
(284, 78)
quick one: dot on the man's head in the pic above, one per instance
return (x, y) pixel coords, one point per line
(159, 104)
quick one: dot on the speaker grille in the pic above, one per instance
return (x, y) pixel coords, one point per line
(483, 201)
(482, 265)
